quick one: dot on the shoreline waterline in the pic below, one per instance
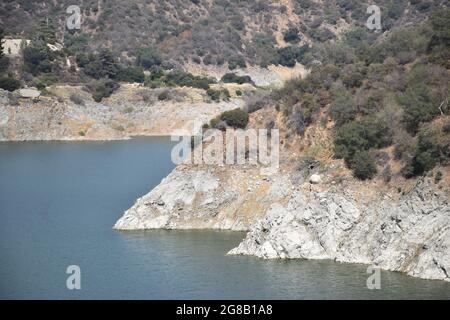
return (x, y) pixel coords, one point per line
(59, 201)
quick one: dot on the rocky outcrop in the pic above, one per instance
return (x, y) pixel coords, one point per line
(29, 93)
(411, 235)
(289, 217)
(204, 197)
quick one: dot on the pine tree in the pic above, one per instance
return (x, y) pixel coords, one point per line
(4, 61)
(46, 31)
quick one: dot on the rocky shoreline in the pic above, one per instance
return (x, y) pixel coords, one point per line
(287, 217)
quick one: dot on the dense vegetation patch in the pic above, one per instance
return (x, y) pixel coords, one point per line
(9, 83)
(102, 88)
(236, 118)
(171, 33)
(177, 78)
(378, 94)
(234, 78)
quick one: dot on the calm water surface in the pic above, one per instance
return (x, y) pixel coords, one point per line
(59, 201)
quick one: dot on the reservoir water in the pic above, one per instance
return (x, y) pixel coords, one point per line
(59, 201)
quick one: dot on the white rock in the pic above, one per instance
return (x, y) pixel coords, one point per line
(315, 179)
(29, 93)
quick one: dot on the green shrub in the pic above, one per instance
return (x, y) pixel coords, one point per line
(118, 127)
(343, 109)
(359, 136)
(214, 122)
(176, 78)
(353, 76)
(185, 79)
(363, 165)
(131, 74)
(148, 57)
(420, 105)
(233, 78)
(45, 80)
(433, 147)
(75, 98)
(439, 45)
(292, 35)
(288, 56)
(226, 94)
(164, 95)
(213, 94)
(238, 93)
(236, 118)
(236, 62)
(9, 83)
(438, 177)
(103, 89)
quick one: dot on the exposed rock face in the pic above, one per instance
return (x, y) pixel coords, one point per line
(411, 235)
(132, 111)
(290, 218)
(204, 198)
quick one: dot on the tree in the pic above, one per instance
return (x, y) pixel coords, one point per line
(108, 63)
(291, 35)
(236, 118)
(46, 31)
(103, 88)
(4, 61)
(131, 74)
(9, 83)
(100, 65)
(37, 58)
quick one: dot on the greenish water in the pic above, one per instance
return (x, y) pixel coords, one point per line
(59, 201)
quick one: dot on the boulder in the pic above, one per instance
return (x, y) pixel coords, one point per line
(315, 179)
(30, 93)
